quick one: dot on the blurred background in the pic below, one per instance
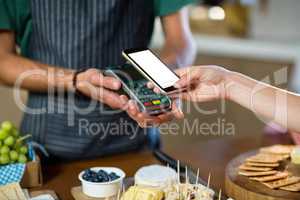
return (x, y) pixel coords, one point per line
(259, 38)
(255, 37)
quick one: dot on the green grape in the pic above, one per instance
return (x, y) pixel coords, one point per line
(23, 150)
(22, 158)
(3, 134)
(18, 144)
(14, 156)
(7, 126)
(15, 133)
(9, 141)
(4, 149)
(4, 159)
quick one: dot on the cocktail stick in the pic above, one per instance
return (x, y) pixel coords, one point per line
(197, 178)
(208, 181)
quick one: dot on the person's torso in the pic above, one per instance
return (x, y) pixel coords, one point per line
(78, 34)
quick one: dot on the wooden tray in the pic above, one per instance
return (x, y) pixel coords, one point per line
(41, 192)
(78, 194)
(241, 187)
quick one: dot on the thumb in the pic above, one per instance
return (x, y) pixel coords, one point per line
(177, 112)
(183, 82)
(105, 81)
(181, 71)
(186, 77)
(192, 76)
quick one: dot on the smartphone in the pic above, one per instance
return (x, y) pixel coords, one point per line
(147, 63)
(134, 84)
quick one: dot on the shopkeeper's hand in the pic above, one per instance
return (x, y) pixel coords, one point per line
(144, 120)
(95, 85)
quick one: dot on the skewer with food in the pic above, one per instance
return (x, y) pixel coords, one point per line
(157, 182)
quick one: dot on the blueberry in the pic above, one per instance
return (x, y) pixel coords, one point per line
(88, 171)
(85, 177)
(95, 180)
(113, 176)
(103, 175)
(90, 175)
(89, 179)
(101, 171)
(101, 180)
(100, 176)
(106, 177)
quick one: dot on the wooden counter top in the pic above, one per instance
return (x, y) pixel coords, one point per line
(209, 156)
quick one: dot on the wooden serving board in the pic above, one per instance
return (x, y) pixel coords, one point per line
(41, 192)
(242, 188)
(79, 195)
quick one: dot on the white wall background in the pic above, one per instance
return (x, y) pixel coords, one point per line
(280, 23)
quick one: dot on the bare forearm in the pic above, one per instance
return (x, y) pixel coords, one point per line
(270, 102)
(179, 48)
(32, 75)
(178, 56)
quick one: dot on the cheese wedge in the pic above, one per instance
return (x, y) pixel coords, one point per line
(142, 193)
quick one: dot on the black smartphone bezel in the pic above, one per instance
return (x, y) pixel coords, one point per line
(135, 50)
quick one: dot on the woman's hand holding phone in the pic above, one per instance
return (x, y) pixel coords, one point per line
(200, 83)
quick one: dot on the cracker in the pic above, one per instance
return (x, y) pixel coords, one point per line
(279, 175)
(12, 191)
(291, 188)
(278, 149)
(256, 169)
(256, 164)
(265, 158)
(256, 174)
(283, 182)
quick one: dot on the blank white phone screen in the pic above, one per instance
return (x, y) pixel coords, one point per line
(156, 69)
